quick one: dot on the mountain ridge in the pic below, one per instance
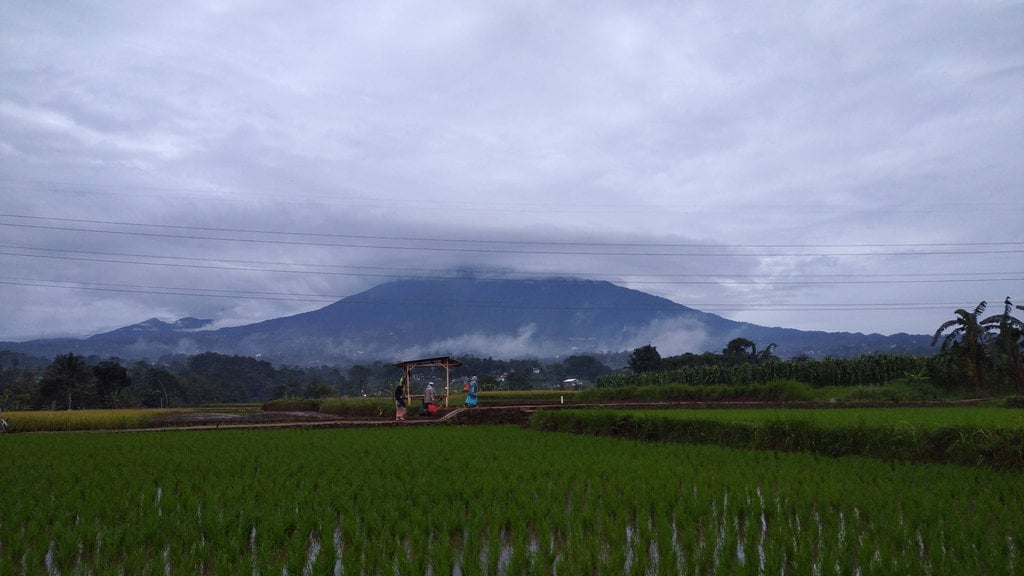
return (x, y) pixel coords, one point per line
(545, 318)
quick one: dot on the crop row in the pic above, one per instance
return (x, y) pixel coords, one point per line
(868, 369)
(992, 437)
(491, 500)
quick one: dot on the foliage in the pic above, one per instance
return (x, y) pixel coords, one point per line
(110, 379)
(776, 391)
(644, 359)
(201, 379)
(585, 367)
(967, 341)
(155, 386)
(988, 350)
(1008, 344)
(742, 350)
(869, 369)
(66, 383)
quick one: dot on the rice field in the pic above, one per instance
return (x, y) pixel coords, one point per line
(76, 420)
(486, 500)
(925, 418)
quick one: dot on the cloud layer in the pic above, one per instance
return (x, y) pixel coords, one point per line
(830, 166)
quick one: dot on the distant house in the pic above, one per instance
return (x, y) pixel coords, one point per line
(571, 384)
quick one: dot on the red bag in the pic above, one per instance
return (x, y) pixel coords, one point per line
(466, 388)
(431, 408)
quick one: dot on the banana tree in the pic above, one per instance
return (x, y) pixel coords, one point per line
(967, 340)
(1009, 340)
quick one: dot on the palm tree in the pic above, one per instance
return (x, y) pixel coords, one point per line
(744, 350)
(767, 354)
(967, 340)
(1009, 341)
(67, 376)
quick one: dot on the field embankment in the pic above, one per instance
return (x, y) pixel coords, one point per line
(988, 437)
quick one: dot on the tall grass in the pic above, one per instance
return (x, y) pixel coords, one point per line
(72, 420)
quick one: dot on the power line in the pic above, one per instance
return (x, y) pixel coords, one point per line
(713, 279)
(404, 272)
(325, 298)
(472, 240)
(348, 197)
(169, 291)
(529, 252)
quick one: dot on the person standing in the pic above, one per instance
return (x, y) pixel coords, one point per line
(428, 399)
(400, 401)
(471, 392)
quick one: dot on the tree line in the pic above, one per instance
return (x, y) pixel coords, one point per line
(73, 381)
(983, 352)
(979, 352)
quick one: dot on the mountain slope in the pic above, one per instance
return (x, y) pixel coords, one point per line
(497, 318)
(494, 318)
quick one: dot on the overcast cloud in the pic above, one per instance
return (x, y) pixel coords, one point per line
(831, 166)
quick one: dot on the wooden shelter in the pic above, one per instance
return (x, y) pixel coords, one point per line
(445, 362)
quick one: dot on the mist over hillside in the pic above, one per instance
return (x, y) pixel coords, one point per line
(547, 318)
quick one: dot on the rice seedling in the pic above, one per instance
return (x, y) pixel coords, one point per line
(493, 500)
(75, 420)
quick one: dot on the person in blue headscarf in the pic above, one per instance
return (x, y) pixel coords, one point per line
(471, 391)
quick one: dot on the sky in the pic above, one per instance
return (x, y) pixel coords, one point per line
(838, 166)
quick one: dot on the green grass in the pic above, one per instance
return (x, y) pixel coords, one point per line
(486, 500)
(968, 436)
(524, 396)
(915, 417)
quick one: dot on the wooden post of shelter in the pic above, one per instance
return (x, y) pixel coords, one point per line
(445, 362)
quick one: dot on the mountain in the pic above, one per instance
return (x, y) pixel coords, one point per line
(491, 318)
(152, 327)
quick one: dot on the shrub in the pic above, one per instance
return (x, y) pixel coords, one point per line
(775, 391)
(1000, 448)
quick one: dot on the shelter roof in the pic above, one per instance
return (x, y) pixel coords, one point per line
(441, 361)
